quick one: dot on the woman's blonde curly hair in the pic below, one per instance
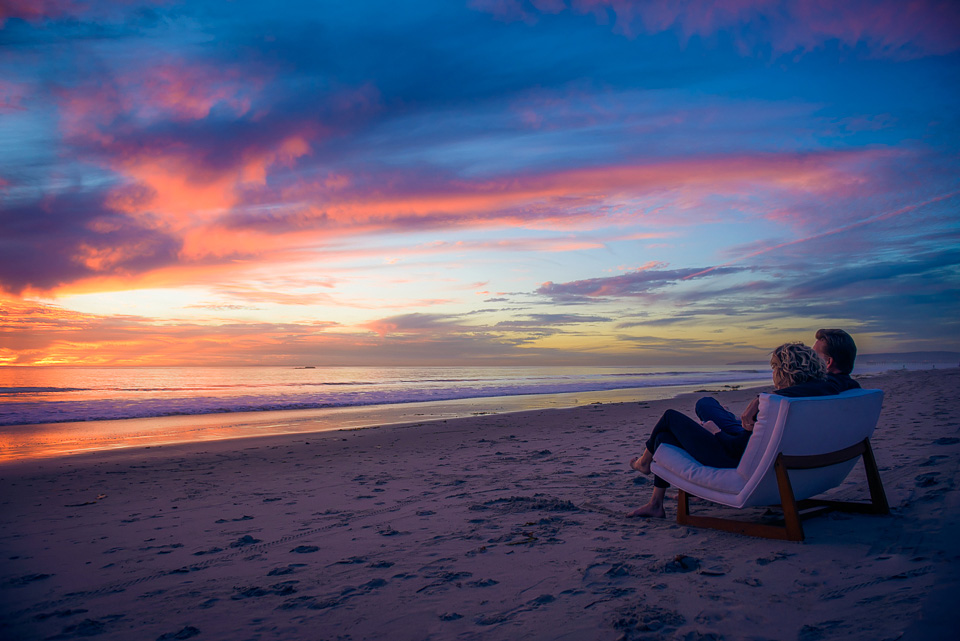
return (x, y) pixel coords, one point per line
(795, 363)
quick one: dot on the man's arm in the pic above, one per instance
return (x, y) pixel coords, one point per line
(749, 417)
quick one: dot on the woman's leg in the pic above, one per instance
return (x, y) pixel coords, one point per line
(642, 462)
(709, 409)
(654, 507)
(682, 431)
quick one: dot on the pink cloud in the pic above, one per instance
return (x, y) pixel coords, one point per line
(181, 184)
(313, 215)
(41, 10)
(644, 281)
(11, 96)
(270, 293)
(169, 183)
(504, 10)
(563, 199)
(231, 218)
(886, 28)
(37, 10)
(185, 91)
(563, 244)
(178, 90)
(856, 124)
(414, 324)
(762, 248)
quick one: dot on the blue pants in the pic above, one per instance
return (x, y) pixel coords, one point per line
(709, 409)
(682, 431)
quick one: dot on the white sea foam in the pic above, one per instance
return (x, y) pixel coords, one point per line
(51, 395)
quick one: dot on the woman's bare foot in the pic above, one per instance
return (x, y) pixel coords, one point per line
(642, 463)
(650, 510)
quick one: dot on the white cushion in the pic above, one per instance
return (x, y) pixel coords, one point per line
(763, 431)
(674, 462)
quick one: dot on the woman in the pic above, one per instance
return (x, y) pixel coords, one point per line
(721, 440)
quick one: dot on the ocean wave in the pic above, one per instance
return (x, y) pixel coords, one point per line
(35, 412)
(40, 390)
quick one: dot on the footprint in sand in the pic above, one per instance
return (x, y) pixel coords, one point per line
(287, 569)
(246, 539)
(29, 578)
(186, 633)
(89, 627)
(641, 618)
(281, 589)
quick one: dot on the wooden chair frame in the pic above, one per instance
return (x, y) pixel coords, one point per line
(792, 530)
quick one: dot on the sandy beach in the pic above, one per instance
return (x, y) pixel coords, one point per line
(505, 526)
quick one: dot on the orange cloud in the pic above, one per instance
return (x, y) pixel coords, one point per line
(167, 191)
(36, 334)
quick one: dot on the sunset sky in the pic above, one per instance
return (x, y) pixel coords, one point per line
(475, 181)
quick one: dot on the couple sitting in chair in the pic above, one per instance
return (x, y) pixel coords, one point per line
(721, 438)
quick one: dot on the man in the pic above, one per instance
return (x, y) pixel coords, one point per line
(838, 351)
(834, 346)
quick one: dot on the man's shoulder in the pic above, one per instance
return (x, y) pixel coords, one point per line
(842, 382)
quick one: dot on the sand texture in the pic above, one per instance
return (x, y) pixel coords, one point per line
(492, 527)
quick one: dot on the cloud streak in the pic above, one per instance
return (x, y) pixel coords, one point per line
(638, 283)
(886, 28)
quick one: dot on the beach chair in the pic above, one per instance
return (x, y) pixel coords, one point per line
(800, 448)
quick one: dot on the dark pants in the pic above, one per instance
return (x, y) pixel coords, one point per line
(677, 429)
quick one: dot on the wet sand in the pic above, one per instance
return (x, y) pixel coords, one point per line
(507, 526)
(51, 440)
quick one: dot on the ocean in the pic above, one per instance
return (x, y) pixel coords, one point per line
(54, 394)
(46, 411)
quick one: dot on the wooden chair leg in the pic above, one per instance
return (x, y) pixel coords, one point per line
(746, 528)
(877, 496)
(683, 508)
(788, 502)
(728, 525)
